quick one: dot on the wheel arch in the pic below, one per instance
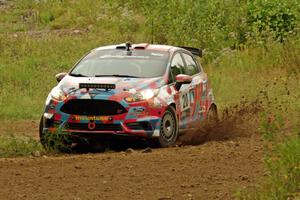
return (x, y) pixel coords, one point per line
(213, 106)
(171, 109)
(172, 105)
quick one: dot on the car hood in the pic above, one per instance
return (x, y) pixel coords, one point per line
(70, 84)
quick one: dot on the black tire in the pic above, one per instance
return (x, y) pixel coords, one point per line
(54, 141)
(168, 128)
(41, 134)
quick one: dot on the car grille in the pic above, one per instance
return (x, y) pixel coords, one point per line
(98, 127)
(92, 107)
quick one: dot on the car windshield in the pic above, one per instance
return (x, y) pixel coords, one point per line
(120, 63)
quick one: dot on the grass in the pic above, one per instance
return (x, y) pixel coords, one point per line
(283, 169)
(15, 146)
(31, 69)
(237, 74)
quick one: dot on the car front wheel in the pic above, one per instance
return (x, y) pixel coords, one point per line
(168, 128)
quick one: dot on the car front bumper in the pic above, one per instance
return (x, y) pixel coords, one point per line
(141, 119)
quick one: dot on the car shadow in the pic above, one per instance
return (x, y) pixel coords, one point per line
(110, 146)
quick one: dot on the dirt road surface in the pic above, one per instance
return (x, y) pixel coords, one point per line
(216, 169)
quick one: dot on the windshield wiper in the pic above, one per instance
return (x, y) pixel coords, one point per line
(78, 75)
(118, 75)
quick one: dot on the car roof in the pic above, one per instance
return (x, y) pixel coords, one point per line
(146, 46)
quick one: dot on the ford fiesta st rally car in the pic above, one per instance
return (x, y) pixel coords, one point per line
(130, 90)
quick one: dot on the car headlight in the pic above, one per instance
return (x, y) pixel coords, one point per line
(142, 95)
(57, 94)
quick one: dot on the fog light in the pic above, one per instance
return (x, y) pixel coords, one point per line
(48, 115)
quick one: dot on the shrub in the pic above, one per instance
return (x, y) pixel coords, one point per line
(272, 18)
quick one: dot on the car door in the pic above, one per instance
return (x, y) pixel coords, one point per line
(176, 68)
(185, 96)
(190, 99)
(205, 93)
(189, 92)
(197, 90)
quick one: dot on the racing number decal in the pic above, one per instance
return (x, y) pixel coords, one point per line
(186, 100)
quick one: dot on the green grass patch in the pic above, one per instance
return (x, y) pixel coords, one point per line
(28, 66)
(283, 167)
(14, 146)
(248, 74)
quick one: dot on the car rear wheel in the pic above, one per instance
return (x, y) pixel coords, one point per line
(168, 128)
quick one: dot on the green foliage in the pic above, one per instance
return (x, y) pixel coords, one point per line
(56, 141)
(70, 14)
(211, 25)
(16, 146)
(27, 69)
(283, 165)
(255, 71)
(275, 18)
(215, 25)
(46, 17)
(206, 24)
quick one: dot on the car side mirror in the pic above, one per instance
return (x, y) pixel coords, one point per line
(60, 76)
(182, 79)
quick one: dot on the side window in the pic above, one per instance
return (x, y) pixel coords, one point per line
(176, 67)
(191, 67)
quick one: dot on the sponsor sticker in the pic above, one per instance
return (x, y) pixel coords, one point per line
(92, 118)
